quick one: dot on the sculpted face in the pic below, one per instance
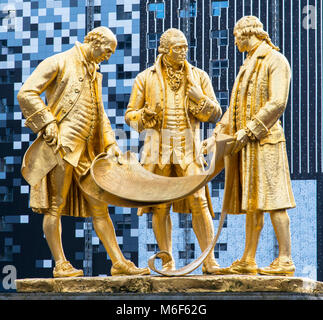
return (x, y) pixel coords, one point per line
(177, 49)
(104, 50)
(241, 41)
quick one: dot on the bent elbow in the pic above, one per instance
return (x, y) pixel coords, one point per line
(21, 96)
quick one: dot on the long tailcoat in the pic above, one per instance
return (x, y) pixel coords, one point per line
(62, 78)
(149, 89)
(257, 178)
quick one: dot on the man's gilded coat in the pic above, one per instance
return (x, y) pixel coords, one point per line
(61, 77)
(257, 178)
(149, 89)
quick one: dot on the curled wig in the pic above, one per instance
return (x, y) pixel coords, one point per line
(165, 39)
(251, 25)
(97, 34)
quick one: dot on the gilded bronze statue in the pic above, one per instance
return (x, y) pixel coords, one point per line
(168, 102)
(257, 171)
(72, 129)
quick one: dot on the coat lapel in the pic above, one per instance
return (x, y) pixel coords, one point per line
(98, 89)
(251, 66)
(158, 70)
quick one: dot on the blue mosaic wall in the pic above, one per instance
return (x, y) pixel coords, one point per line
(230, 245)
(29, 32)
(33, 30)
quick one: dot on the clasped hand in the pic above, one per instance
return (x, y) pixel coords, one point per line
(241, 139)
(113, 151)
(149, 117)
(194, 92)
(51, 136)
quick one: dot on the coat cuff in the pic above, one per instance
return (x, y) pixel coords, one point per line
(39, 119)
(109, 139)
(258, 128)
(206, 110)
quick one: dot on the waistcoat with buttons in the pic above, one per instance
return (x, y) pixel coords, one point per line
(244, 111)
(175, 138)
(79, 126)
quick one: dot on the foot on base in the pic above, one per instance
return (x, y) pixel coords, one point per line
(210, 267)
(65, 269)
(240, 267)
(169, 266)
(279, 268)
(127, 268)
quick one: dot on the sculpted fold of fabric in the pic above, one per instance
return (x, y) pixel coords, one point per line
(257, 102)
(150, 89)
(72, 129)
(72, 80)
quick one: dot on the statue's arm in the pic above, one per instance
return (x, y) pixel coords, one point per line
(223, 125)
(278, 89)
(208, 108)
(37, 114)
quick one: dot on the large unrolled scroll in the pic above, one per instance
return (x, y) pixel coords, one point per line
(124, 182)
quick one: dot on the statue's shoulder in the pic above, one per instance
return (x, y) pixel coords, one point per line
(200, 72)
(277, 58)
(146, 73)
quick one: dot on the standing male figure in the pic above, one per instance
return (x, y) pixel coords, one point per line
(73, 126)
(257, 172)
(170, 99)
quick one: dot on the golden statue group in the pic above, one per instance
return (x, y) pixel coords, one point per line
(168, 102)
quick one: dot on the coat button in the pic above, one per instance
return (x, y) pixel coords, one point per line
(80, 79)
(77, 90)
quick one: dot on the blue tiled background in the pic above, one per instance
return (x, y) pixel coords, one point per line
(33, 30)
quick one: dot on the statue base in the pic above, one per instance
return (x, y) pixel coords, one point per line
(144, 286)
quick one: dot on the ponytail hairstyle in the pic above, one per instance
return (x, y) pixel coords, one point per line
(251, 25)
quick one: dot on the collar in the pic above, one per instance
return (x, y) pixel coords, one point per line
(167, 64)
(87, 63)
(254, 49)
(262, 50)
(157, 67)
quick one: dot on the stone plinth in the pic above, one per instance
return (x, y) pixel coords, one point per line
(175, 285)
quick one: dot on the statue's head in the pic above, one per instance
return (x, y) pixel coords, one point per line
(102, 42)
(248, 27)
(173, 44)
